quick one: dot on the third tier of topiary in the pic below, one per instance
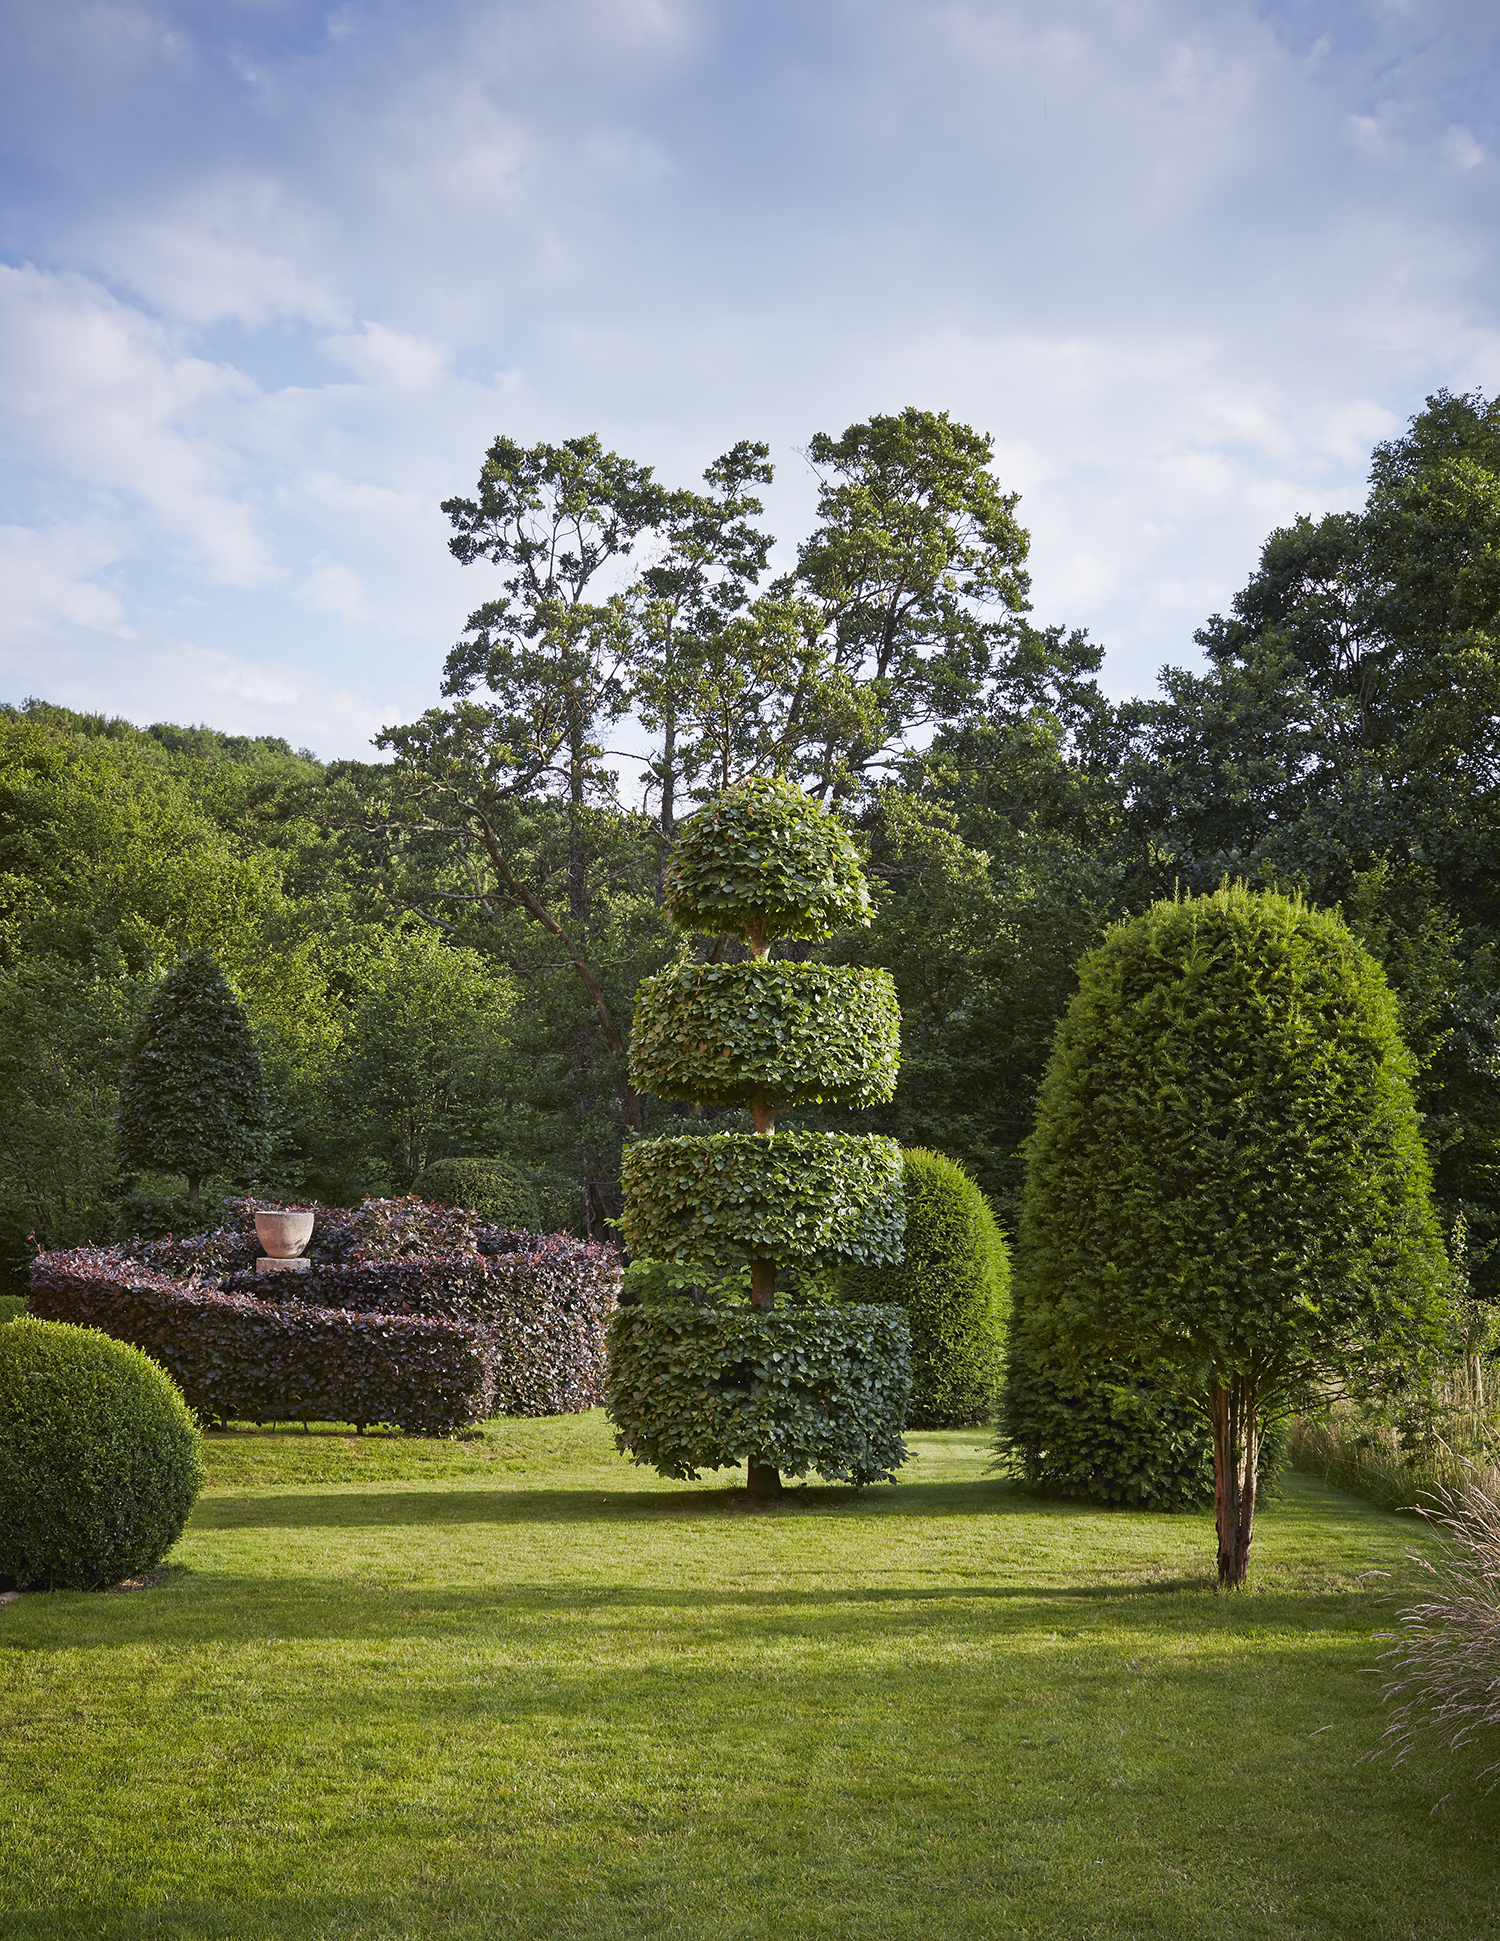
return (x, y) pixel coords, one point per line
(701, 1387)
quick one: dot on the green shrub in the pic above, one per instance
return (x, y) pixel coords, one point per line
(1227, 1195)
(822, 1389)
(99, 1458)
(1097, 1432)
(785, 1034)
(12, 1307)
(492, 1188)
(722, 1197)
(954, 1285)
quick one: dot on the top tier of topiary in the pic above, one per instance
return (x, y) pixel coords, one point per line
(763, 861)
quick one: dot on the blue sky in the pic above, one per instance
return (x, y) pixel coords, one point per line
(273, 275)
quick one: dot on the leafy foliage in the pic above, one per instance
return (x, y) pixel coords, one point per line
(822, 1389)
(954, 1286)
(491, 1188)
(723, 1197)
(764, 860)
(99, 1460)
(776, 1033)
(193, 1096)
(1097, 1431)
(430, 1342)
(1227, 1191)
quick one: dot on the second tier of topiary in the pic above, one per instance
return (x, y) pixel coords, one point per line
(695, 1386)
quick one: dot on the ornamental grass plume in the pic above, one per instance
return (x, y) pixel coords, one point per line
(1446, 1661)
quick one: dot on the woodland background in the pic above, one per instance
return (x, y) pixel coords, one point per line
(438, 949)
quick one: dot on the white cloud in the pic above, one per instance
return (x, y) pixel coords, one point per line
(47, 576)
(1461, 149)
(99, 393)
(1186, 266)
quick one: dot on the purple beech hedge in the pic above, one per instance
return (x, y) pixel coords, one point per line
(430, 1344)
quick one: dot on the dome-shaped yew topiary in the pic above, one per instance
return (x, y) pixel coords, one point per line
(954, 1287)
(492, 1188)
(776, 1391)
(1227, 1193)
(99, 1458)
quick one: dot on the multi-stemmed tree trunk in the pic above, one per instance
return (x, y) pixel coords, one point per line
(1234, 1413)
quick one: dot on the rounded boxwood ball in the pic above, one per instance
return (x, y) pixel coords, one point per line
(99, 1458)
(489, 1187)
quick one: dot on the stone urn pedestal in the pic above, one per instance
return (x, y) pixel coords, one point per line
(284, 1232)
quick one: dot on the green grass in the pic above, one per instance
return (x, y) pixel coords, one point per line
(513, 1687)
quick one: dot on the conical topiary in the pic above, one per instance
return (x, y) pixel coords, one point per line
(820, 1389)
(193, 1096)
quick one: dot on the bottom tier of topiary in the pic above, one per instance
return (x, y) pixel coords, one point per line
(804, 1390)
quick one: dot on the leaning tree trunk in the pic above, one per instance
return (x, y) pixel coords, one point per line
(764, 1479)
(1232, 1411)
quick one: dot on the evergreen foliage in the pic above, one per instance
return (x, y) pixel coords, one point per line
(193, 1095)
(99, 1460)
(954, 1286)
(1227, 1192)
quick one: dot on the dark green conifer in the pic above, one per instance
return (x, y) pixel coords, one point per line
(193, 1097)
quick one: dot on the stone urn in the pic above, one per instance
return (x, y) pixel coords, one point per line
(283, 1232)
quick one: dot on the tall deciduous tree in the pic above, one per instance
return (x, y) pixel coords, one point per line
(916, 577)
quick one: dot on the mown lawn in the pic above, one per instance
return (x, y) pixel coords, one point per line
(514, 1687)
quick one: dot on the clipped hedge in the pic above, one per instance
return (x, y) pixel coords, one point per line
(824, 1389)
(430, 1345)
(240, 1359)
(1100, 1434)
(779, 1034)
(764, 860)
(954, 1285)
(99, 1459)
(490, 1188)
(814, 1197)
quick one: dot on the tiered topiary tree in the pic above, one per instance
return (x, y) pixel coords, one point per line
(811, 1388)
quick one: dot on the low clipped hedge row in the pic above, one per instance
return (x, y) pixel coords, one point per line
(780, 1034)
(716, 1198)
(430, 1345)
(822, 1389)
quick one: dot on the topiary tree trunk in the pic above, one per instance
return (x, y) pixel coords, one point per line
(767, 1388)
